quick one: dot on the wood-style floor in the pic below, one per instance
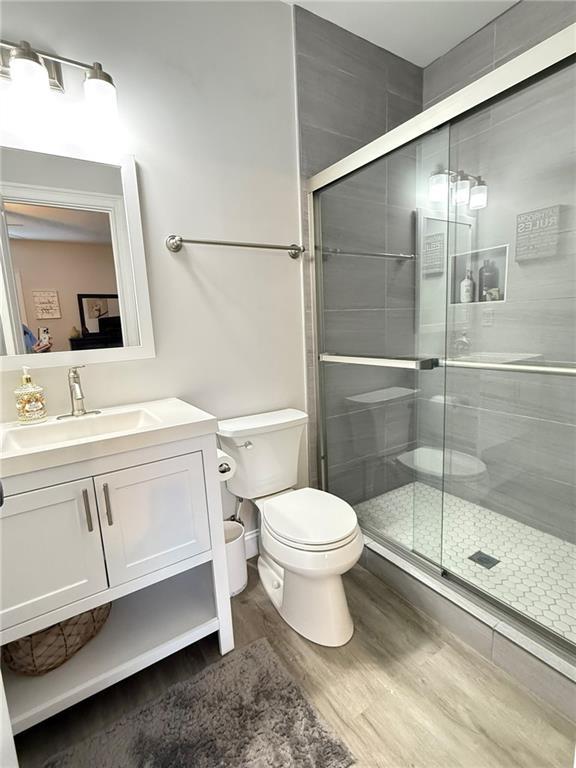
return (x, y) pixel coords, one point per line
(404, 693)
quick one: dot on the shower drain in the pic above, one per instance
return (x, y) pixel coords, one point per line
(486, 561)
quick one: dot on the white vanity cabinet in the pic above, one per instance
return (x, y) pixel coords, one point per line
(135, 520)
(152, 516)
(51, 550)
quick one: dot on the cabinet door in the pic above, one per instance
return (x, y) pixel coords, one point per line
(152, 516)
(51, 550)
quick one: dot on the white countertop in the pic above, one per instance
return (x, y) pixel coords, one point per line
(30, 447)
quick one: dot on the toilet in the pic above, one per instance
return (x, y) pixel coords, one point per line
(308, 538)
(457, 472)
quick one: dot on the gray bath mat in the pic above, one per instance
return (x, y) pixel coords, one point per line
(242, 712)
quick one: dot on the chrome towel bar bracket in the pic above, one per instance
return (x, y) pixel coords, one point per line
(174, 244)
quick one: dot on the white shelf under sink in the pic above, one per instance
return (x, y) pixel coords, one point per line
(143, 628)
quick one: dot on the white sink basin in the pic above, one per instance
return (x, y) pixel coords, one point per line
(30, 447)
(92, 425)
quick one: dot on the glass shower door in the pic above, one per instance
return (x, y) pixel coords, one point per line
(510, 496)
(460, 248)
(380, 336)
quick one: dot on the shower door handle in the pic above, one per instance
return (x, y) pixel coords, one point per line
(410, 363)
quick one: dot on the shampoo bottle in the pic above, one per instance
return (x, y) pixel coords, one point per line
(488, 279)
(30, 400)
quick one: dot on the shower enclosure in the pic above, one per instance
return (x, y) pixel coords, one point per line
(446, 282)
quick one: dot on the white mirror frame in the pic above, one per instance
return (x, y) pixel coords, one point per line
(130, 263)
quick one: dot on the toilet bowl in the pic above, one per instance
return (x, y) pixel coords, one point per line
(439, 463)
(308, 538)
(441, 466)
(458, 473)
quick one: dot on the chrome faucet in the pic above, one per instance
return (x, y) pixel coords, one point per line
(462, 344)
(76, 395)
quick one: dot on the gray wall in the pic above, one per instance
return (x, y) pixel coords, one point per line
(521, 426)
(513, 32)
(349, 92)
(516, 425)
(368, 309)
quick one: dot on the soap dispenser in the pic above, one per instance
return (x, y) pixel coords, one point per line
(30, 400)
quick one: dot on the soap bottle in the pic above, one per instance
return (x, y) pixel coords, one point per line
(467, 287)
(30, 400)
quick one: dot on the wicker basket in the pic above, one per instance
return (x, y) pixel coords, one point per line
(42, 651)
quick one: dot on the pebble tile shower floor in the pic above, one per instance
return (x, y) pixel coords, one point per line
(536, 573)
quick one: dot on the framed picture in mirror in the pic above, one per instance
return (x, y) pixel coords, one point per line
(100, 322)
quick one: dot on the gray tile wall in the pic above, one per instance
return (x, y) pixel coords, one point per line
(522, 26)
(523, 426)
(349, 93)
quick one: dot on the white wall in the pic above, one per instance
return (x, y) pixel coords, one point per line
(206, 93)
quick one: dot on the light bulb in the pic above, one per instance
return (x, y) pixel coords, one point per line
(479, 195)
(28, 74)
(438, 187)
(461, 190)
(100, 95)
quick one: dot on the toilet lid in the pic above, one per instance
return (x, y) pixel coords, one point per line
(309, 516)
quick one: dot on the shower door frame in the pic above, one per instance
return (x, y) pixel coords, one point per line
(515, 73)
(532, 62)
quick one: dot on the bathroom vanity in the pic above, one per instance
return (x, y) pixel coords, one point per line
(121, 506)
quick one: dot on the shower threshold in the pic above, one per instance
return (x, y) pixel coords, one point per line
(535, 575)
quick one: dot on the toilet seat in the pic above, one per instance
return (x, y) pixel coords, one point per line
(309, 519)
(309, 547)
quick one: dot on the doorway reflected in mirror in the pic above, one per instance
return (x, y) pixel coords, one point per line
(63, 264)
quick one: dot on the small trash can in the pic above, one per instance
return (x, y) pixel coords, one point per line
(235, 556)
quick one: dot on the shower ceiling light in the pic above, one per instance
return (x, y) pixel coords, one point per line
(438, 185)
(27, 70)
(479, 195)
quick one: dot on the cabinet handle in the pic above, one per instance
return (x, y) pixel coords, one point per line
(107, 503)
(86, 500)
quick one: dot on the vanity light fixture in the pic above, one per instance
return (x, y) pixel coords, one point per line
(479, 195)
(28, 72)
(100, 92)
(438, 186)
(460, 188)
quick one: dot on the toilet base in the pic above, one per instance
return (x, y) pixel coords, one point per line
(315, 608)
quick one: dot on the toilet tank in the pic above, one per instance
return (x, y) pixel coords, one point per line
(266, 447)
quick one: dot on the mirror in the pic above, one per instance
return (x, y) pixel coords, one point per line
(73, 284)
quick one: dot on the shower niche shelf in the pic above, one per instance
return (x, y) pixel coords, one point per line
(489, 267)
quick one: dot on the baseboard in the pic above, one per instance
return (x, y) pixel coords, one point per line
(251, 543)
